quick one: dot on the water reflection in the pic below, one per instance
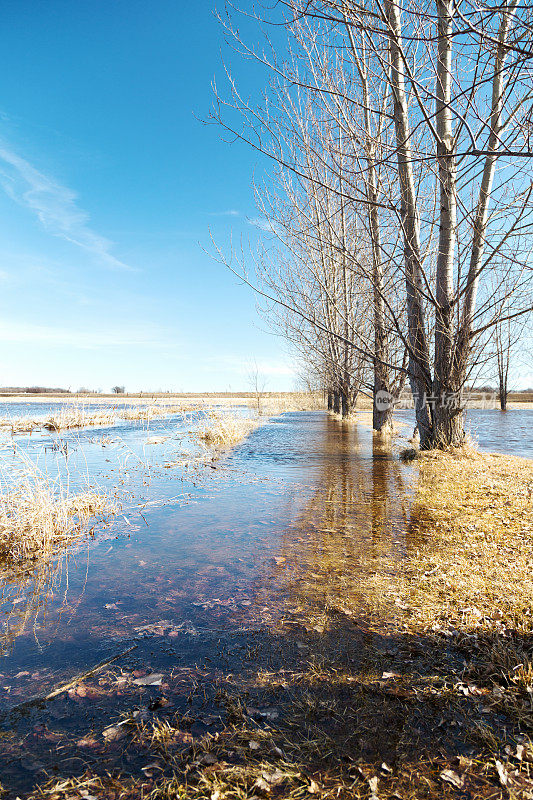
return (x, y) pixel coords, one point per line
(310, 515)
(26, 594)
(341, 551)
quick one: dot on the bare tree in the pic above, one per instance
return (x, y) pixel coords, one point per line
(433, 106)
(257, 383)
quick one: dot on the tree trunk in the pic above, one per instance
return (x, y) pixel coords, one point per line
(330, 400)
(336, 402)
(344, 405)
(503, 398)
(419, 363)
(448, 422)
(381, 413)
(448, 427)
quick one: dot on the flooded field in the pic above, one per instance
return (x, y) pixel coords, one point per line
(198, 573)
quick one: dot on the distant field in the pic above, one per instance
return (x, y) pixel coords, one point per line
(516, 400)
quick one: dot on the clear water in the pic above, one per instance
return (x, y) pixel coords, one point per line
(196, 554)
(507, 432)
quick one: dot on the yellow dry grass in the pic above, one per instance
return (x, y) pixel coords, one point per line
(219, 431)
(34, 521)
(78, 416)
(39, 516)
(19, 424)
(290, 401)
(68, 418)
(474, 514)
(146, 413)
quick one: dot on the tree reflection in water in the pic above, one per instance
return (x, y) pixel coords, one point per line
(342, 552)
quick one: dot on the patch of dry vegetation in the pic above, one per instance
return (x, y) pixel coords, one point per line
(219, 431)
(474, 567)
(77, 416)
(19, 424)
(147, 413)
(67, 418)
(290, 401)
(38, 516)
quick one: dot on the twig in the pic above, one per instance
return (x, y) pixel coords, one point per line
(84, 675)
(66, 686)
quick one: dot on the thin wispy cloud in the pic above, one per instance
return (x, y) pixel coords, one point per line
(55, 206)
(231, 212)
(13, 331)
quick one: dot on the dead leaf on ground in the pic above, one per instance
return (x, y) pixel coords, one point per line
(154, 679)
(452, 777)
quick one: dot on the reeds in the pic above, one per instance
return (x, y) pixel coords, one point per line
(219, 431)
(34, 521)
(68, 418)
(74, 416)
(289, 401)
(39, 520)
(38, 514)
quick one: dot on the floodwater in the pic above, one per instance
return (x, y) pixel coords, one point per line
(494, 431)
(288, 523)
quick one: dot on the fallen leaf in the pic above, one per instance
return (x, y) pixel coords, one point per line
(503, 775)
(208, 759)
(262, 786)
(87, 742)
(452, 777)
(274, 777)
(114, 733)
(154, 679)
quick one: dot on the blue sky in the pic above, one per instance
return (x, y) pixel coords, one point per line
(109, 186)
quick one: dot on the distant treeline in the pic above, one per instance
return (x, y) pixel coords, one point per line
(33, 390)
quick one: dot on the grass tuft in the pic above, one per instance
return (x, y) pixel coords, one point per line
(220, 431)
(39, 517)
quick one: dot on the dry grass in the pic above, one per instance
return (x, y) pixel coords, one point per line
(78, 416)
(19, 424)
(38, 515)
(146, 413)
(68, 418)
(34, 521)
(219, 431)
(474, 513)
(289, 401)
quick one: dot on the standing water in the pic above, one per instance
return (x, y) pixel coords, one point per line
(286, 525)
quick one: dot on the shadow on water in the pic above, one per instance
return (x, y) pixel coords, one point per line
(267, 604)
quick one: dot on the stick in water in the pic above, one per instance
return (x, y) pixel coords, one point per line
(84, 675)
